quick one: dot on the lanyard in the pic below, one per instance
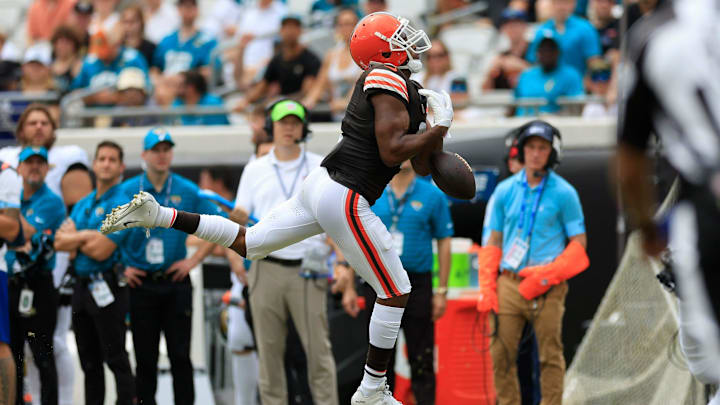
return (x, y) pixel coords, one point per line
(167, 189)
(396, 211)
(297, 175)
(536, 204)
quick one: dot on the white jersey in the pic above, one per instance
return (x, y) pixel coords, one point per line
(267, 182)
(60, 158)
(10, 186)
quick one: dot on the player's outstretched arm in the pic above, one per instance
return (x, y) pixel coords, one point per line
(391, 125)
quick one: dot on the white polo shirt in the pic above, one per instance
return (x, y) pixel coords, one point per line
(261, 189)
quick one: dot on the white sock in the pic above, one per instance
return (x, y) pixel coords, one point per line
(372, 381)
(245, 378)
(384, 328)
(216, 229)
(165, 217)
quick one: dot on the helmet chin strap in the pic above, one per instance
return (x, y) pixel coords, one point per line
(413, 65)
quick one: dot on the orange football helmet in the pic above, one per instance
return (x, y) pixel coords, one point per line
(387, 39)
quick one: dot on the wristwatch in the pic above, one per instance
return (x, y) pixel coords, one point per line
(441, 290)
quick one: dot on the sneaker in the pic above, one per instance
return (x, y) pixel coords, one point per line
(140, 212)
(382, 396)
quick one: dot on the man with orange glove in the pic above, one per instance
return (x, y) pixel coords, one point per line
(537, 241)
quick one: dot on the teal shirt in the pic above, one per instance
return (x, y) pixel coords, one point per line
(578, 42)
(564, 81)
(558, 217)
(421, 215)
(89, 213)
(45, 211)
(165, 246)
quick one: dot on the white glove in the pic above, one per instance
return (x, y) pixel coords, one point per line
(441, 106)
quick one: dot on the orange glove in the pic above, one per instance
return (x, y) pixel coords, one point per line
(538, 279)
(226, 298)
(488, 264)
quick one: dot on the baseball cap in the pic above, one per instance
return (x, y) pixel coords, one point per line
(40, 53)
(155, 136)
(131, 78)
(512, 14)
(540, 129)
(29, 151)
(285, 108)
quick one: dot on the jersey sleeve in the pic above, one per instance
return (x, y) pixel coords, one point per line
(381, 80)
(243, 199)
(572, 216)
(636, 109)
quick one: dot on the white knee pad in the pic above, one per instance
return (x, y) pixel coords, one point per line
(385, 325)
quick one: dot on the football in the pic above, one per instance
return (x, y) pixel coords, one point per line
(452, 174)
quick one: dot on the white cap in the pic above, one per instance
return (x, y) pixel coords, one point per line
(41, 53)
(131, 78)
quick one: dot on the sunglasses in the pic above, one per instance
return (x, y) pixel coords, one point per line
(437, 55)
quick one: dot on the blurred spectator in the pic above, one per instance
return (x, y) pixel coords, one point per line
(257, 30)
(100, 69)
(132, 88)
(67, 60)
(133, 27)
(607, 25)
(375, 6)
(80, 20)
(578, 39)
(187, 48)
(291, 72)
(193, 92)
(10, 73)
(44, 16)
(323, 13)
(439, 76)
(36, 76)
(549, 80)
(639, 9)
(599, 85)
(339, 72)
(507, 66)
(224, 18)
(260, 138)
(104, 17)
(161, 20)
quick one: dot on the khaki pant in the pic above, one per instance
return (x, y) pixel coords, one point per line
(277, 291)
(545, 313)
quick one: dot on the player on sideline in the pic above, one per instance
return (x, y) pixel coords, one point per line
(381, 129)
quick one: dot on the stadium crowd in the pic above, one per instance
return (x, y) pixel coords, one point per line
(135, 54)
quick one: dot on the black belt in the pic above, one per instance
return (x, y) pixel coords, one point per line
(284, 262)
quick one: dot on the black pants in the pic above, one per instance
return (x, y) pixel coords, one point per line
(100, 337)
(419, 329)
(155, 306)
(38, 330)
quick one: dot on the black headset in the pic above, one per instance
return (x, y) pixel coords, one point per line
(269, 122)
(531, 129)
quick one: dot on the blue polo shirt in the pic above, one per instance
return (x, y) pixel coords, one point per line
(165, 246)
(45, 211)
(559, 216)
(564, 81)
(206, 100)
(89, 213)
(174, 56)
(579, 42)
(95, 73)
(422, 214)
